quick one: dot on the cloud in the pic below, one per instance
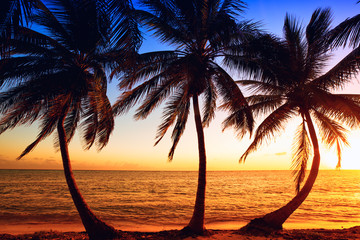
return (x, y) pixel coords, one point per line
(130, 166)
(51, 160)
(33, 163)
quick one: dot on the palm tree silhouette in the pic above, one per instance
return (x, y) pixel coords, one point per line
(289, 82)
(60, 80)
(201, 30)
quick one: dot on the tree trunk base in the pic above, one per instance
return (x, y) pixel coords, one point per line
(259, 226)
(188, 231)
(106, 232)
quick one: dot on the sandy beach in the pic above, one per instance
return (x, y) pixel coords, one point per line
(311, 234)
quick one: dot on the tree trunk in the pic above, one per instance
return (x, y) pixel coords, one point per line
(95, 228)
(197, 222)
(274, 220)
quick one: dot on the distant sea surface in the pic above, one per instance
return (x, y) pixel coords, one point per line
(163, 199)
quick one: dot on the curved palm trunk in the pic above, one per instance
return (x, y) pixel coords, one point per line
(197, 222)
(274, 220)
(95, 228)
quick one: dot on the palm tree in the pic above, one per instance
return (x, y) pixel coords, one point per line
(60, 80)
(201, 30)
(288, 82)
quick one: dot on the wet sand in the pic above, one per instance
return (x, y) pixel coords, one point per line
(311, 234)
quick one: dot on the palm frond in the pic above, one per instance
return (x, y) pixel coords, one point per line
(262, 105)
(18, 114)
(254, 87)
(318, 46)
(301, 154)
(269, 127)
(223, 27)
(259, 105)
(293, 34)
(167, 27)
(180, 125)
(106, 119)
(232, 7)
(330, 130)
(53, 19)
(156, 97)
(172, 110)
(125, 33)
(210, 96)
(48, 125)
(90, 125)
(332, 134)
(147, 65)
(234, 102)
(346, 33)
(33, 39)
(318, 26)
(71, 121)
(343, 108)
(14, 14)
(341, 73)
(49, 122)
(98, 122)
(260, 57)
(129, 98)
(339, 153)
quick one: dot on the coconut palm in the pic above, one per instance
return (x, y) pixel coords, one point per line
(201, 31)
(288, 81)
(60, 80)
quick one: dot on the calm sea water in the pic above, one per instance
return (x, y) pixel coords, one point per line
(167, 198)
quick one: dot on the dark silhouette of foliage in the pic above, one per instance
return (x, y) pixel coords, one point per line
(58, 78)
(287, 82)
(13, 14)
(201, 31)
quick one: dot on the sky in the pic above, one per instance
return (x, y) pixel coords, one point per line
(131, 146)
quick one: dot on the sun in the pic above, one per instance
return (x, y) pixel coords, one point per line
(351, 155)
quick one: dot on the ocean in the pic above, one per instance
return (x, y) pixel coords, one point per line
(165, 199)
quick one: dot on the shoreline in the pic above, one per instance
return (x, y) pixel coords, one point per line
(31, 227)
(214, 234)
(16, 228)
(218, 231)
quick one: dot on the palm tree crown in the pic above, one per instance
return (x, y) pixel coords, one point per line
(289, 82)
(201, 31)
(198, 30)
(62, 77)
(59, 78)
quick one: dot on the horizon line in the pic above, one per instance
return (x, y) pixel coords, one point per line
(133, 170)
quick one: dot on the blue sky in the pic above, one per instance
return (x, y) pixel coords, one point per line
(131, 144)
